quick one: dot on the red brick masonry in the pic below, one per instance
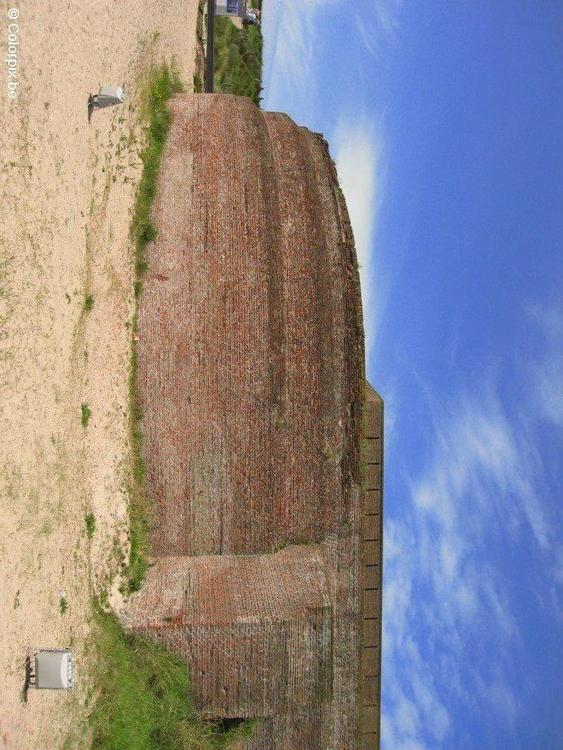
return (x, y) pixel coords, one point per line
(250, 375)
(371, 575)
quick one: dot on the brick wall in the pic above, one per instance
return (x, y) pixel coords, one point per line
(250, 343)
(371, 575)
(250, 370)
(255, 629)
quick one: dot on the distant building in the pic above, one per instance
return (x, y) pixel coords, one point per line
(230, 8)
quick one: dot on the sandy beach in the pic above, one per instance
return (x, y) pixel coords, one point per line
(67, 190)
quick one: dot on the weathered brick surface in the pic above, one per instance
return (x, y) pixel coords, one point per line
(250, 339)
(250, 370)
(255, 629)
(220, 589)
(371, 578)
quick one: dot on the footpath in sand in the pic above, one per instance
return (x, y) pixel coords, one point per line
(67, 189)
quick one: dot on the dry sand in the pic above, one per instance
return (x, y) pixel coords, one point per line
(67, 191)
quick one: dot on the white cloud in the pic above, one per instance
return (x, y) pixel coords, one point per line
(547, 373)
(440, 594)
(480, 453)
(291, 33)
(290, 39)
(357, 153)
(411, 704)
(381, 26)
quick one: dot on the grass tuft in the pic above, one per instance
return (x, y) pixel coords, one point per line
(86, 413)
(63, 605)
(88, 302)
(144, 701)
(139, 506)
(162, 84)
(90, 521)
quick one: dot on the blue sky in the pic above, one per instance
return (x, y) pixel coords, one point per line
(446, 123)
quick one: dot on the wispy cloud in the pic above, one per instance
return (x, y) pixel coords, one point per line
(481, 454)
(547, 372)
(357, 152)
(290, 31)
(443, 596)
(294, 32)
(380, 27)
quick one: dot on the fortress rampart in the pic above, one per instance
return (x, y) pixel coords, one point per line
(251, 382)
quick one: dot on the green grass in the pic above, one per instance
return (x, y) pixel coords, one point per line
(238, 59)
(144, 696)
(88, 302)
(90, 521)
(162, 84)
(139, 506)
(63, 605)
(85, 414)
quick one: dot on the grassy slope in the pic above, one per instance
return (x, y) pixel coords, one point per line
(238, 59)
(144, 697)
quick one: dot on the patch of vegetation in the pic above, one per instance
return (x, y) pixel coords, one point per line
(86, 413)
(144, 697)
(162, 84)
(104, 599)
(88, 302)
(200, 48)
(139, 506)
(46, 527)
(238, 59)
(90, 522)
(281, 422)
(329, 453)
(63, 604)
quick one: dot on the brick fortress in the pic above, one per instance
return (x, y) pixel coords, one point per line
(267, 530)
